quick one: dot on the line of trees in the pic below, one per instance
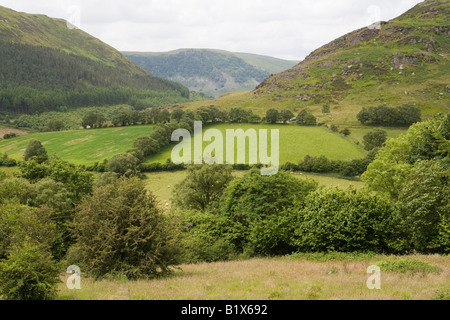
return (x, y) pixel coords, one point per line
(402, 116)
(26, 100)
(321, 164)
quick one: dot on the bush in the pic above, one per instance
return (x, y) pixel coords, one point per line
(147, 144)
(306, 118)
(334, 128)
(36, 150)
(255, 205)
(20, 223)
(7, 162)
(345, 221)
(29, 273)
(346, 131)
(120, 230)
(272, 116)
(203, 238)
(288, 166)
(315, 164)
(424, 208)
(123, 164)
(202, 187)
(9, 136)
(375, 139)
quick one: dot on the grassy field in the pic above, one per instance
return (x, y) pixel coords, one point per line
(89, 146)
(298, 277)
(295, 143)
(79, 146)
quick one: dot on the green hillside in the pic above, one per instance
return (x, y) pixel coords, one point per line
(212, 72)
(406, 61)
(46, 64)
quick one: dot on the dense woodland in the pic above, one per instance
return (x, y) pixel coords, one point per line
(36, 79)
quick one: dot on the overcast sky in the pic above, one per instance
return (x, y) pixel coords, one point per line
(289, 29)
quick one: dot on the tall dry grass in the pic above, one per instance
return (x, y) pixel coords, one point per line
(276, 278)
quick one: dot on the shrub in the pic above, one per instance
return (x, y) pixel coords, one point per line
(120, 230)
(203, 238)
(75, 178)
(202, 187)
(6, 161)
(123, 164)
(20, 223)
(315, 164)
(424, 208)
(346, 131)
(147, 144)
(9, 136)
(29, 273)
(375, 139)
(286, 115)
(334, 128)
(345, 221)
(305, 118)
(36, 150)
(255, 204)
(272, 116)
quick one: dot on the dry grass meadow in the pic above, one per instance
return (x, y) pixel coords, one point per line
(283, 278)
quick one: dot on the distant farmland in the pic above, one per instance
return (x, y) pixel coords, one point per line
(90, 146)
(295, 143)
(79, 146)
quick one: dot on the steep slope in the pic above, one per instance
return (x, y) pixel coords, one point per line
(46, 64)
(404, 61)
(213, 72)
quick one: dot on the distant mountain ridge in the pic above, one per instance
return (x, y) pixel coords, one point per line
(46, 65)
(212, 72)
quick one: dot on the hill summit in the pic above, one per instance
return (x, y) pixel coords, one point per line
(405, 60)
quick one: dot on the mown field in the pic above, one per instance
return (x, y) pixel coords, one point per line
(79, 146)
(90, 146)
(297, 277)
(295, 142)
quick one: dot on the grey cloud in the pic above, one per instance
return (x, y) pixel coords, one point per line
(287, 28)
